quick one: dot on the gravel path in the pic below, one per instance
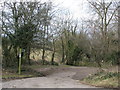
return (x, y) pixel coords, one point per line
(60, 78)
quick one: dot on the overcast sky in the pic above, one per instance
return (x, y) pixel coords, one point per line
(78, 8)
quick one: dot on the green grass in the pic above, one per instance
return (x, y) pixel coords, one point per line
(88, 64)
(16, 76)
(103, 79)
(41, 66)
(27, 72)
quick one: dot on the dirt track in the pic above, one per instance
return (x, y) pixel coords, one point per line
(62, 77)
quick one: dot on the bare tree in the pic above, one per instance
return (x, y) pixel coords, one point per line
(105, 12)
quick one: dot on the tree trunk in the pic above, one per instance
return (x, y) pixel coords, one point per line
(43, 53)
(28, 55)
(53, 54)
(63, 54)
(52, 60)
(119, 34)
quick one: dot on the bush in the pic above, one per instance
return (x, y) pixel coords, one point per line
(113, 58)
(103, 79)
(40, 62)
(55, 63)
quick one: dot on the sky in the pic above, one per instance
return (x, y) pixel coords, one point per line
(77, 8)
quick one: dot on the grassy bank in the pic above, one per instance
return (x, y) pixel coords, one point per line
(12, 73)
(27, 71)
(103, 79)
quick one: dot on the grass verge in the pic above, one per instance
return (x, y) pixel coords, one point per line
(12, 74)
(26, 72)
(103, 79)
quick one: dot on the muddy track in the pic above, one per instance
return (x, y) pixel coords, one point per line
(58, 77)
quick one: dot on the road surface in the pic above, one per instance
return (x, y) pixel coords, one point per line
(68, 77)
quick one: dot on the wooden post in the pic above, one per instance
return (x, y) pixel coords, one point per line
(19, 69)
